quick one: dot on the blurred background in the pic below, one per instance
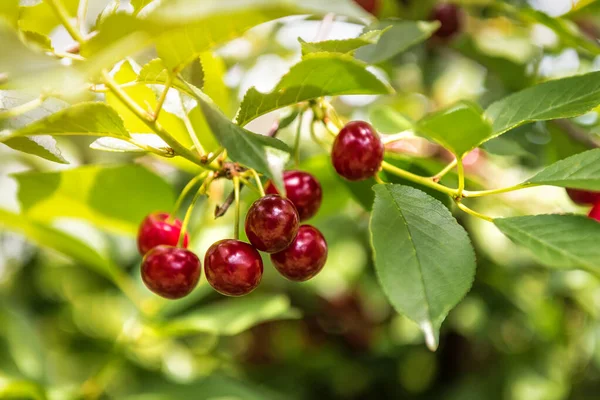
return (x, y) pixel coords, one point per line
(524, 332)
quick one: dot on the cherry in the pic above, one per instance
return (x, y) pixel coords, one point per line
(370, 6)
(595, 212)
(357, 151)
(272, 223)
(170, 272)
(156, 230)
(305, 257)
(451, 20)
(584, 196)
(303, 190)
(232, 267)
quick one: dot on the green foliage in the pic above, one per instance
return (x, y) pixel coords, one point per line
(41, 146)
(345, 46)
(581, 171)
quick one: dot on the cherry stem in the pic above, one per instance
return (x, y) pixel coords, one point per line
(461, 176)
(418, 179)
(437, 177)
(297, 139)
(473, 212)
(482, 193)
(236, 190)
(184, 194)
(259, 184)
(64, 17)
(188, 213)
(163, 97)
(190, 128)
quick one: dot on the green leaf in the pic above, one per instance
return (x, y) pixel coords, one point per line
(41, 41)
(113, 198)
(560, 241)
(387, 120)
(400, 36)
(345, 46)
(156, 73)
(41, 18)
(581, 171)
(21, 389)
(424, 259)
(54, 239)
(266, 155)
(41, 146)
(560, 98)
(232, 316)
(87, 119)
(123, 146)
(460, 128)
(9, 12)
(317, 75)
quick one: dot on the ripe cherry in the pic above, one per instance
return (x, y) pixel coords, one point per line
(232, 267)
(584, 196)
(451, 20)
(595, 212)
(370, 6)
(155, 230)
(304, 258)
(170, 272)
(272, 223)
(303, 190)
(357, 151)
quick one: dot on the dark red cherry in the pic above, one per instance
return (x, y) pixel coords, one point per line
(451, 20)
(595, 212)
(170, 272)
(370, 6)
(304, 258)
(584, 196)
(357, 151)
(232, 267)
(156, 230)
(302, 189)
(272, 223)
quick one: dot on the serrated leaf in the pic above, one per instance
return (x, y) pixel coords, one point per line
(87, 119)
(399, 37)
(317, 75)
(560, 98)
(266, 155)
(344, 46)
(424, 259)
(156, 73)
(41, 18)
(42, 41)
(232, 316)
(115, 198)
(460, 128)
(581, 171)
(561, 241)
(42, 146)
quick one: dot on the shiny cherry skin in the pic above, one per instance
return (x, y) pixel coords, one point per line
(272, 223)
(595, 212)
(156, 230)
(451, 20)
(303, 190)
(304, 258)
(233, 267)
(584, 197)
(370, 6)
(171, 272)
(357, 151)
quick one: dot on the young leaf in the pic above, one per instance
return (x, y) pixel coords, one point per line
(113, 198)
(561, 241)
(423, 257)
(581, 171)
(460, 128)
(317, 75)
(560, 98)
(231, 317)
(345, 46)
(398, 37)
(42, 146)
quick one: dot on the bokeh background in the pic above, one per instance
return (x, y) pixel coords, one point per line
(524, 332)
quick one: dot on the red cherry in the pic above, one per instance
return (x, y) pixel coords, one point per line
(232, 267)
(584, 196)
(304, 258)
(272, 223)
(357, 151)
(156, 230)
(370, 6)
(451, 20)
(302, 189)
(595, 212)
(171, 272)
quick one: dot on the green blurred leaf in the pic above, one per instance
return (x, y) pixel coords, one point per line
(560, 98)
(232, 316)
(386, 119)
(156, 73)
(116, 198)
(344, 46)
(400, 37)
(41, 18)
(424, 259)
(581, 171)
(123, 146)
(560, 241)
(42, 146)
(459, 128)
(21, 390)
(9, 12)
(43, 42)
(317, 75)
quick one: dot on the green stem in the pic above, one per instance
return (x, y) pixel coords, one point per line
(473, 213)
(297, 140)
(193, 182)
(482, 193)
(247, 183)
(236, 190)
(64, 18)
(258, 182)
(190, 128)
(313, 135)
(82, 13)
(418, 179)
(188, 213)
(163, 97)
(437, 177)
(23, 108)
(460, 168)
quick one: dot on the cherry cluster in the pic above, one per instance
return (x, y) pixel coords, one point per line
(586, 197)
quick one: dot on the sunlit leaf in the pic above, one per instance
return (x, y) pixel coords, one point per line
(41, 146)
(344, 46)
